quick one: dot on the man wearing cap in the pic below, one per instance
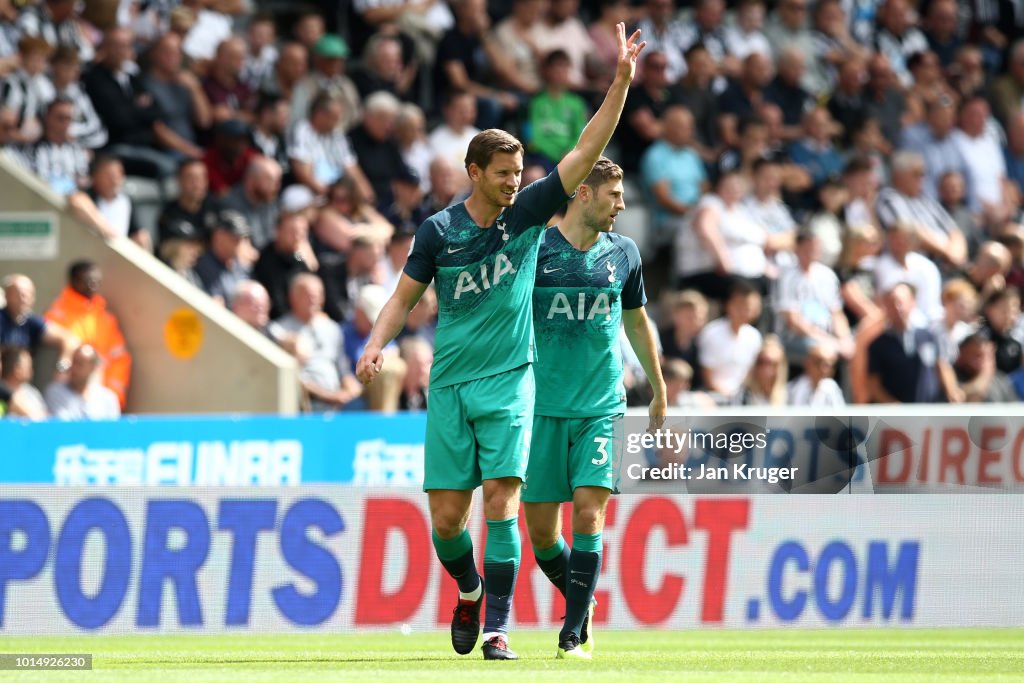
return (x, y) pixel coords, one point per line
(329, 55)
(219, 269)
(227, 159)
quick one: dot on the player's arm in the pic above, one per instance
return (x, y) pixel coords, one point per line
(577, 164)
(641, 338)
(389, 324)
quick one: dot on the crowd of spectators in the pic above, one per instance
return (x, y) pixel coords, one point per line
(833, 188)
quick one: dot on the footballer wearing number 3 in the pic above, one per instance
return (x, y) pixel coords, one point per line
(481, 255)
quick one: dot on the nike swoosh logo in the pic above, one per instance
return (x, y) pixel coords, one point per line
(546, 271)
(573, 571)
(452, 251)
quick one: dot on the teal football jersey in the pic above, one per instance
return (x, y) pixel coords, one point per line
(577, 312)
(484, 281)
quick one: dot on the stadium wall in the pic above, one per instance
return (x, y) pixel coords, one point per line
(339, 558)
(189, 353)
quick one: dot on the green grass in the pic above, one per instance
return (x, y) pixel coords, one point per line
(726, 656)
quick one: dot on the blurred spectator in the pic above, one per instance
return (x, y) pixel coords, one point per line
(107, 191)
(320, 151)
(309, 28)
(673, 174)
(1012, 237)
(16, 374)
(184, 106)
(856, 272)
(445, 183)
(283, 259)
(651, 94)
(867, 154)
(765, 206)
(562, 29)
(935, 143)
(900, 262)
(603, 35)
(54, 21)
(904, 364)
(450, 140)
(384, 70)
(134, 121)
(988, 269)
(977, 375)
(787, 27)
(814, 151)
(789, 95)
(666, 35)
(707, 27)
(270, 128)
(696, 92)
(57, 158)
(688, 313)
(291, 68)
(982, 152)
(328, 76)
(228, 156)
(846, 102)
(746, 35)
(678, 380)
(815, 387)
(809, 307)
(967, 74)
(255, 198)
(406, 212)
(960, 314)
(356, 332)
(518, 37)
(720, 240)
(82, 311)
(421, 22)
(395, 257)
(729, 345)
(765, 384)
(324, 368)
(898, 38)
(219, 269)
(86, 126)
(362, 218)
(556, 116)
(744, 95)
(469, 58)
(833, 47)
(230, 97)
(251, 303)
(930, 84)
(364, 267)
(941, 28)
(261, 51)
(80, 397)
(373, 142)
(884, 98)
(826, 223)
(190, 215)
(419, 357)
(410, 133)
(21, 327)
(28, 89)
(1014, 150)
(1002, 311)
(210, 29)
(905, 201)
(1008, 89)
(953, 198)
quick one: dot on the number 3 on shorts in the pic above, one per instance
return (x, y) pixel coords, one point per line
(602, 448)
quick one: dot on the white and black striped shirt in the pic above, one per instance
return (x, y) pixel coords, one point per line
(35, 20)
(87, 129)
(27, 95)
(60, 165)
(928, 214)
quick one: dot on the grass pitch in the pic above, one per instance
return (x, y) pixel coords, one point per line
(727, 656)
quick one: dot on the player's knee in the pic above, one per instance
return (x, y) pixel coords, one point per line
(543, 538)
(447, 526)
(588, 519)
(501, 498)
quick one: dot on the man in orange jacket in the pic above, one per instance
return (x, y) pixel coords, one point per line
(83, 312)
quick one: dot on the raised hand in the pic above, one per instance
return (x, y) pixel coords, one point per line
(629, 50)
